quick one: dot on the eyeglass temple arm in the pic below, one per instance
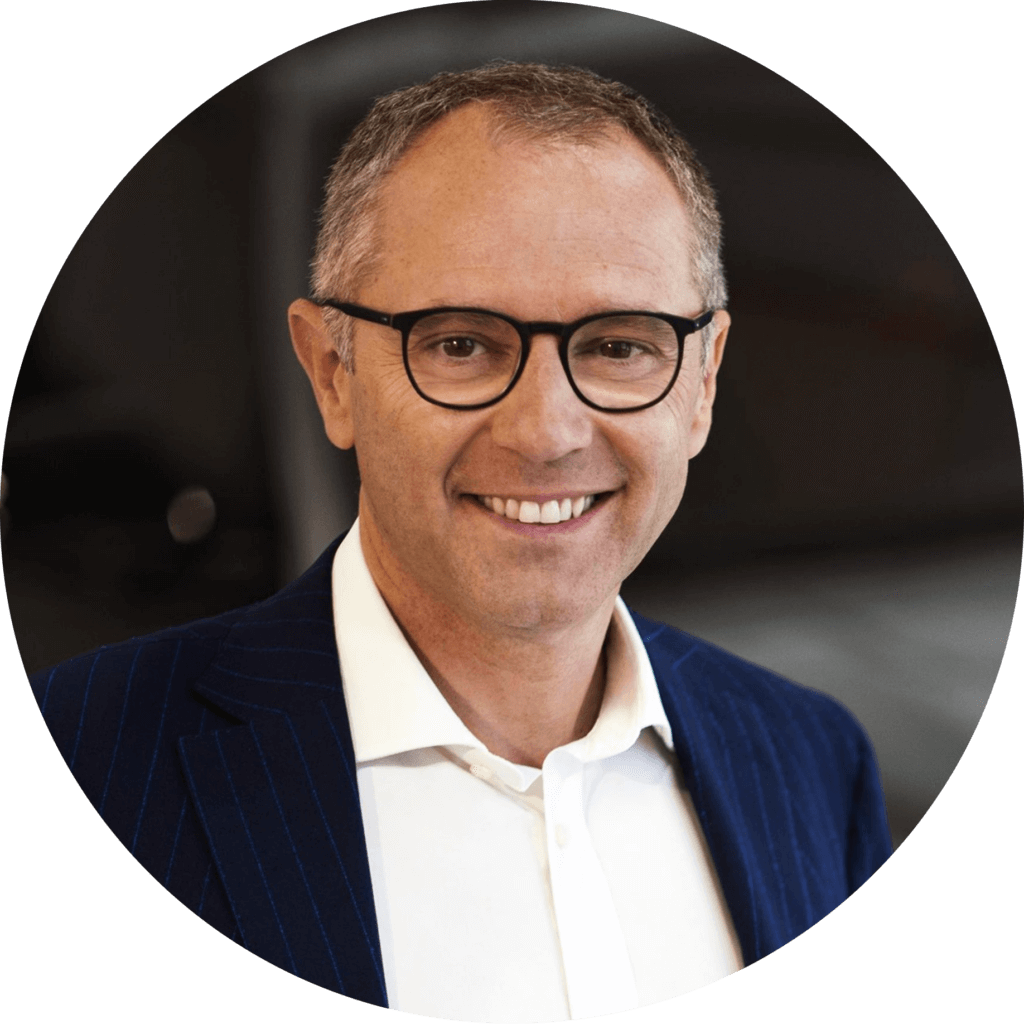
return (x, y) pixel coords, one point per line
(360, 312)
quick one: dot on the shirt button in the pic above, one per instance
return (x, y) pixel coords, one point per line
(562, 836)
(481, 771)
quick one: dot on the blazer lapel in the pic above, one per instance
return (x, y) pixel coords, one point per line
(706, 745)
(277, 796)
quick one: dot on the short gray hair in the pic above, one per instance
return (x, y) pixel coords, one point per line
(532, 101)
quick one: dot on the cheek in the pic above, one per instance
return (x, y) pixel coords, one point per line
(661, 465)
(670, 483)
(405, 446)
(385, 467)
(383, 398)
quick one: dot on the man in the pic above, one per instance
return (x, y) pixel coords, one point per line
(447, 770)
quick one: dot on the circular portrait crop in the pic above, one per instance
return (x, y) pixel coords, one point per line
(511, 512)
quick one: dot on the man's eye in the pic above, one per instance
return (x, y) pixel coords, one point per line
(618, 349)
(459, 347)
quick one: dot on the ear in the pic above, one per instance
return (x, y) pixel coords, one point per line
(701, 425)
(332, 383)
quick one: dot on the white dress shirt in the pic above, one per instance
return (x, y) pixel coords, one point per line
(510, 893)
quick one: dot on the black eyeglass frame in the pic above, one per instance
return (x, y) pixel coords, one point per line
(404, 323)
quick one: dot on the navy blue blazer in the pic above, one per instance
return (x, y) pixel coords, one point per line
(220, 754)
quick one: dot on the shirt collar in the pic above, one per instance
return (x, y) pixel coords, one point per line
(394, 706)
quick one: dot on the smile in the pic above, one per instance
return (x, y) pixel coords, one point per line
(546, 512)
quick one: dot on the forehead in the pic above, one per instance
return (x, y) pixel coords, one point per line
(466, 207)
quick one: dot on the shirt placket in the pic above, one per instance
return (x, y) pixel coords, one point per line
(598, 971)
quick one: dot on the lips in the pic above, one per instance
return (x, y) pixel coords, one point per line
(524, 510)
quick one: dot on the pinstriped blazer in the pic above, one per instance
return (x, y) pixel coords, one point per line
(220, 754)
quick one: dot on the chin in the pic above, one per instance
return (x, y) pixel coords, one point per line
(540, 607)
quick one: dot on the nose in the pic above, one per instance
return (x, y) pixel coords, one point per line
(541, 418)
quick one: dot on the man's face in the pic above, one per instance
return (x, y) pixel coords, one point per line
(537, 231)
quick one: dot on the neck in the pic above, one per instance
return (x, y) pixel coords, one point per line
(521, 692)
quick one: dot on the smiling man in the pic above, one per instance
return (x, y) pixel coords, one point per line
(508, 608)
(448, 770)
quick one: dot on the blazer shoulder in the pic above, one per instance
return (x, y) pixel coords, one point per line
(185, 651)
(747, 725)
(133, 686)
(715, 676)
(143, 687)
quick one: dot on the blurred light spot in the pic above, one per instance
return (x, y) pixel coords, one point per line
(191, 515)
(3, 488)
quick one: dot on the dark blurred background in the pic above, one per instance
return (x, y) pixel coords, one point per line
(854, 523)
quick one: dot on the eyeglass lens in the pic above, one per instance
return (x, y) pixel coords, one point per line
(467, 358)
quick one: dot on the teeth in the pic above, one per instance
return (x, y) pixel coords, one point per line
(529, 512)
(548, 512)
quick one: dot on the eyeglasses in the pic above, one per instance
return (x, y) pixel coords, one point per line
(464, 358)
